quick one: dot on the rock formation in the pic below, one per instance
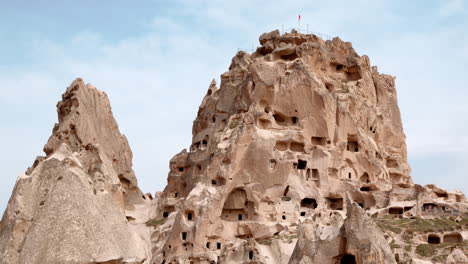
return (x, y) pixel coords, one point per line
(72, 205)
(296, 134)
(298, 157)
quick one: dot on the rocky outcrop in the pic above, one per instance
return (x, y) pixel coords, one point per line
(294, 130)
(299, 156)
(72, 205)
(332, 239)
(457, 257)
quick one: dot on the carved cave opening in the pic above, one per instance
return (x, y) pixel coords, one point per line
(309, 203)
(347, 259)
(237, 207)
(433, 239)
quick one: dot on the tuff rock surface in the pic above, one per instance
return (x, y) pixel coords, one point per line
(72, 205)
(299, 156)
(299, 135)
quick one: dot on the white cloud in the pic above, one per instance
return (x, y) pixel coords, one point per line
(452, 7)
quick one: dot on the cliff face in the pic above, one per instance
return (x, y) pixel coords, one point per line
(71, 206)
(298, 157)
(298, 134)
(292, 128)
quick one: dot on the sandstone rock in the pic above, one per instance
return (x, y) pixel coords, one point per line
(292, 128)
(71, 206)
(354, 239)
(299, 156)
(457, 257)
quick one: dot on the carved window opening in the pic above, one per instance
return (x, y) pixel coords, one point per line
(353, 144)
(335, 203)
(433, 239)
(430, 207)
(319, 141)
(190, 215)
(453, 238)
(281, 146)
(294, 120)
(365, 178)
(348, 259)
(272, 164)
(395, 210)
(167, 211)
(330, 87)
(297, 147)
(301, 164)
(309, 203)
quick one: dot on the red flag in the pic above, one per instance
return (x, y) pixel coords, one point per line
(299, 17)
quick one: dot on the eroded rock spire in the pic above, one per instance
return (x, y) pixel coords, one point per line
(74, 204)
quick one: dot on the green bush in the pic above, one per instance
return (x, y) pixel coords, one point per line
(425, 250)
(408, 248)
(155, 222)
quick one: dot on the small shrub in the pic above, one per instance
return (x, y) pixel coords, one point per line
(425, 250)
(234, 123)
(266, 242)
(155, 222)
(394, 246)
(408, 248)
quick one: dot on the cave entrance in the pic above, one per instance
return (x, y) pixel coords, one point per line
(453, 238)
(168, 210)
(395, 210)
(322, 141)
(348, 259)
(301, 164)
(353, 144)
(309, 203)
(433, 239)
(430, 207)
(335, 203)
(237, 207)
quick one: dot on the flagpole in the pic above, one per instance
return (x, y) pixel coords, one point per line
(299, 23)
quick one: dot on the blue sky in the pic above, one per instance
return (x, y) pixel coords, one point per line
(155, 60)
